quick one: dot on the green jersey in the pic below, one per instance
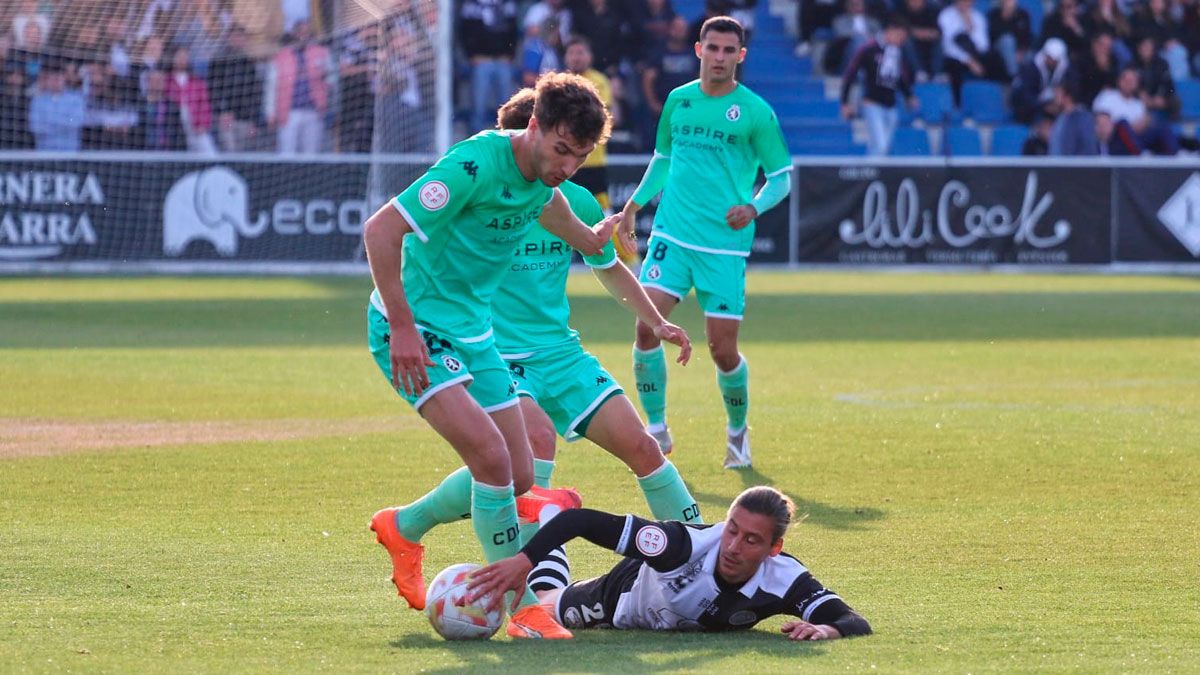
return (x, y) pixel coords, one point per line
(530, 308)
(716, 146)
(467, 212)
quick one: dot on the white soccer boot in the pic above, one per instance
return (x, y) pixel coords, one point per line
(737, 448)
(662, 435)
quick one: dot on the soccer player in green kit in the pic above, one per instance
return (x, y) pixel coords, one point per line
(713, 136)
(437, 252)
(563, 388)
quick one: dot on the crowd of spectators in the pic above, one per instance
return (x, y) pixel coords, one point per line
(1109, 66)
(213, 76)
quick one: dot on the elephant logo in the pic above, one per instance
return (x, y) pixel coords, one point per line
(209, 205)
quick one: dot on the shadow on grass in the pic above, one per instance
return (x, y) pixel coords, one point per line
(608, 650)
(340, 319)
(808, 511)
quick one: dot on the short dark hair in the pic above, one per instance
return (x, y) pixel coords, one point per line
(517, 110)
(571, 101)
(724, 24)
(896, 20)
(767, 501)
(578, 40)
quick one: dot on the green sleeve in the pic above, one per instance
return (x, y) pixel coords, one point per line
(653, 181)
(433, 200)
(588, 210)
(769, 144)
(662, 141)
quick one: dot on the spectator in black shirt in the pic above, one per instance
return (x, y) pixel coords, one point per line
(237, 94)
(1067, 25)
(1106, 16)
(357, 65)
(160, 126)
(1158, 89)
(608, 31)
(884, 73)
(851, 30)
(674, 64)
(1097, 70)
(1154, 20)
(487, 30)
(924, 50)
(14, 111)
(1011, 33)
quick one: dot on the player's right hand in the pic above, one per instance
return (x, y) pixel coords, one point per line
(410, 358)
(669, 332)
(498, 578)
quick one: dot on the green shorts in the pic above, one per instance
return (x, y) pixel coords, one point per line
(567, 382)
(719, 279)
(476, 364)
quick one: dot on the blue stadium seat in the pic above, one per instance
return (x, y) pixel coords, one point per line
(937, 103)
(1189, 99)
(1007, 140)
(1036, 13)
(984, 102)
(962, 142)
(911, 142)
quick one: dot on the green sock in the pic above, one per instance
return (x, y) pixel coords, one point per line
(542, 468)
(650, 373)
(668, 497)
(494, 517)
(446, 503)
(735, 390)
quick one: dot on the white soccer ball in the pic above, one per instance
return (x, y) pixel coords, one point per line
(450, 615)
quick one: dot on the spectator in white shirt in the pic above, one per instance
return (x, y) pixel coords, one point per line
(1134, 129)
(966, 46)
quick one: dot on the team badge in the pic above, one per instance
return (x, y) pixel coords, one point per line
(651, 540)
(452, 364)
(734, 113)
(653, 273)
(742, 618)
(434, 195)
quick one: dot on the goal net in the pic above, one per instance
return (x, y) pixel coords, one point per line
(226, 130)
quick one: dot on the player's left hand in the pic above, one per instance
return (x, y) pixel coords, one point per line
(669, 332)
(803, 630)
(740, 216)
(498, 578)
(604, 232)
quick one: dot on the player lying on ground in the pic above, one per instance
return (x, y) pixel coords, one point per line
(437, 253)
(713, 136)
(563, 388)
(726, 576)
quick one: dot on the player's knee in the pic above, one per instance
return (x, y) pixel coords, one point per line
(522, 481)
(542, 441)
(724, 354)
(646, 456)
(486, 454)
(645, 336)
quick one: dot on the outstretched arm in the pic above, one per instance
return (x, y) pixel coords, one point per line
(668, 544)
(558, 219)
(622, 285)
(822, 614)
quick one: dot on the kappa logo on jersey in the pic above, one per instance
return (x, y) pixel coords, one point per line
(452, 364)
(723, 307)
(600, 379)
(734, 113)
(653, 273)
(471, 168)
(434, 195)
(506, 193)
(687, 103)
(651, 540)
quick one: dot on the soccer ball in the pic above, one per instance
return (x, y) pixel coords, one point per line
(453, 618)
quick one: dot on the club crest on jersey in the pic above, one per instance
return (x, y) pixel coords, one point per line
(742, 618)
(452, 364)
(653, 273)
(734, 113)
(651, 540)
(434, 195)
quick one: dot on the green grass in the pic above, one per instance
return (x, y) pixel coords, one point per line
(1002, 473)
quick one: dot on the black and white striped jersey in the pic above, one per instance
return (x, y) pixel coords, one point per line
(669, 581)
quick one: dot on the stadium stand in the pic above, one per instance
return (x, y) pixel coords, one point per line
(911, 142)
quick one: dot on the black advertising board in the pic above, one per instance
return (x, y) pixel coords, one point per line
(950, 214)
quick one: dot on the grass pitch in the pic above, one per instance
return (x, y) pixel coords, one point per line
(1002, 473)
